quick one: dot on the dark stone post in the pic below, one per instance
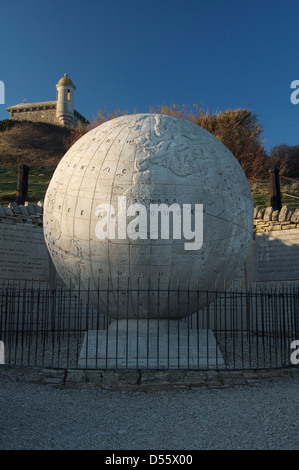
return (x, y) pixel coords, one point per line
(22, 184)
(275, 197)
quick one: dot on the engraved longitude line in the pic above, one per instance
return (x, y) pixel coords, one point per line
(228, 221)
(87, 167)
(68, 183)
(129, 244)
(112, 185)
(69, 179)
(58, 183)
(175, 187)
(94, 190)
(131, 130)
(156, 246)
(166, 165)
(138, 117)
(151, 173)
(52, 225)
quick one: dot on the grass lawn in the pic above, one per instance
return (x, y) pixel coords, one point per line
(40, 176)
(261, 197)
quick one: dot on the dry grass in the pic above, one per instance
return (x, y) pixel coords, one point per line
(33, 143)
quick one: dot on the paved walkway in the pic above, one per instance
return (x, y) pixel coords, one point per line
(262, 416)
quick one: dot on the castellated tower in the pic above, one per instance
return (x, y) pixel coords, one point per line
(65, 110)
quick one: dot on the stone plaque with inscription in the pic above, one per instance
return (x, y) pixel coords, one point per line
(276, 256)
(23, 253)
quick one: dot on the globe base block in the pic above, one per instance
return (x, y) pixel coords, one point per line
(150, 344)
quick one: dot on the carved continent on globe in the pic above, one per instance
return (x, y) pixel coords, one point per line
(147, 159)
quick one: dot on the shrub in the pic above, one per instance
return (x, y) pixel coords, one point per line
(287, 157)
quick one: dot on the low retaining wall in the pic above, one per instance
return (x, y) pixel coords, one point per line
(145, 380)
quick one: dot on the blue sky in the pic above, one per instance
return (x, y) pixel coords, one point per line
(218, 54)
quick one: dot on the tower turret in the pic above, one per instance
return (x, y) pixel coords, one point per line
(65, 100)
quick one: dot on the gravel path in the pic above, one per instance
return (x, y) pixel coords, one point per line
(263, 416)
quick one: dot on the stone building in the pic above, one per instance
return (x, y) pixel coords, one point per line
(60, 112)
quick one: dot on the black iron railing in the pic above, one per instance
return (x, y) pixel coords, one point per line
(238, 329)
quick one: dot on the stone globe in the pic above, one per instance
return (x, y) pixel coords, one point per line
(148, 211)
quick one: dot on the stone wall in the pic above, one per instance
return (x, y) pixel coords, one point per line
(275, 254)
(269, 220)
(47, 115)
(28, 213)
(41, 112)
(146, 380)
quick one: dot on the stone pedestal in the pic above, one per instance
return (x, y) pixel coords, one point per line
(149, 344)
